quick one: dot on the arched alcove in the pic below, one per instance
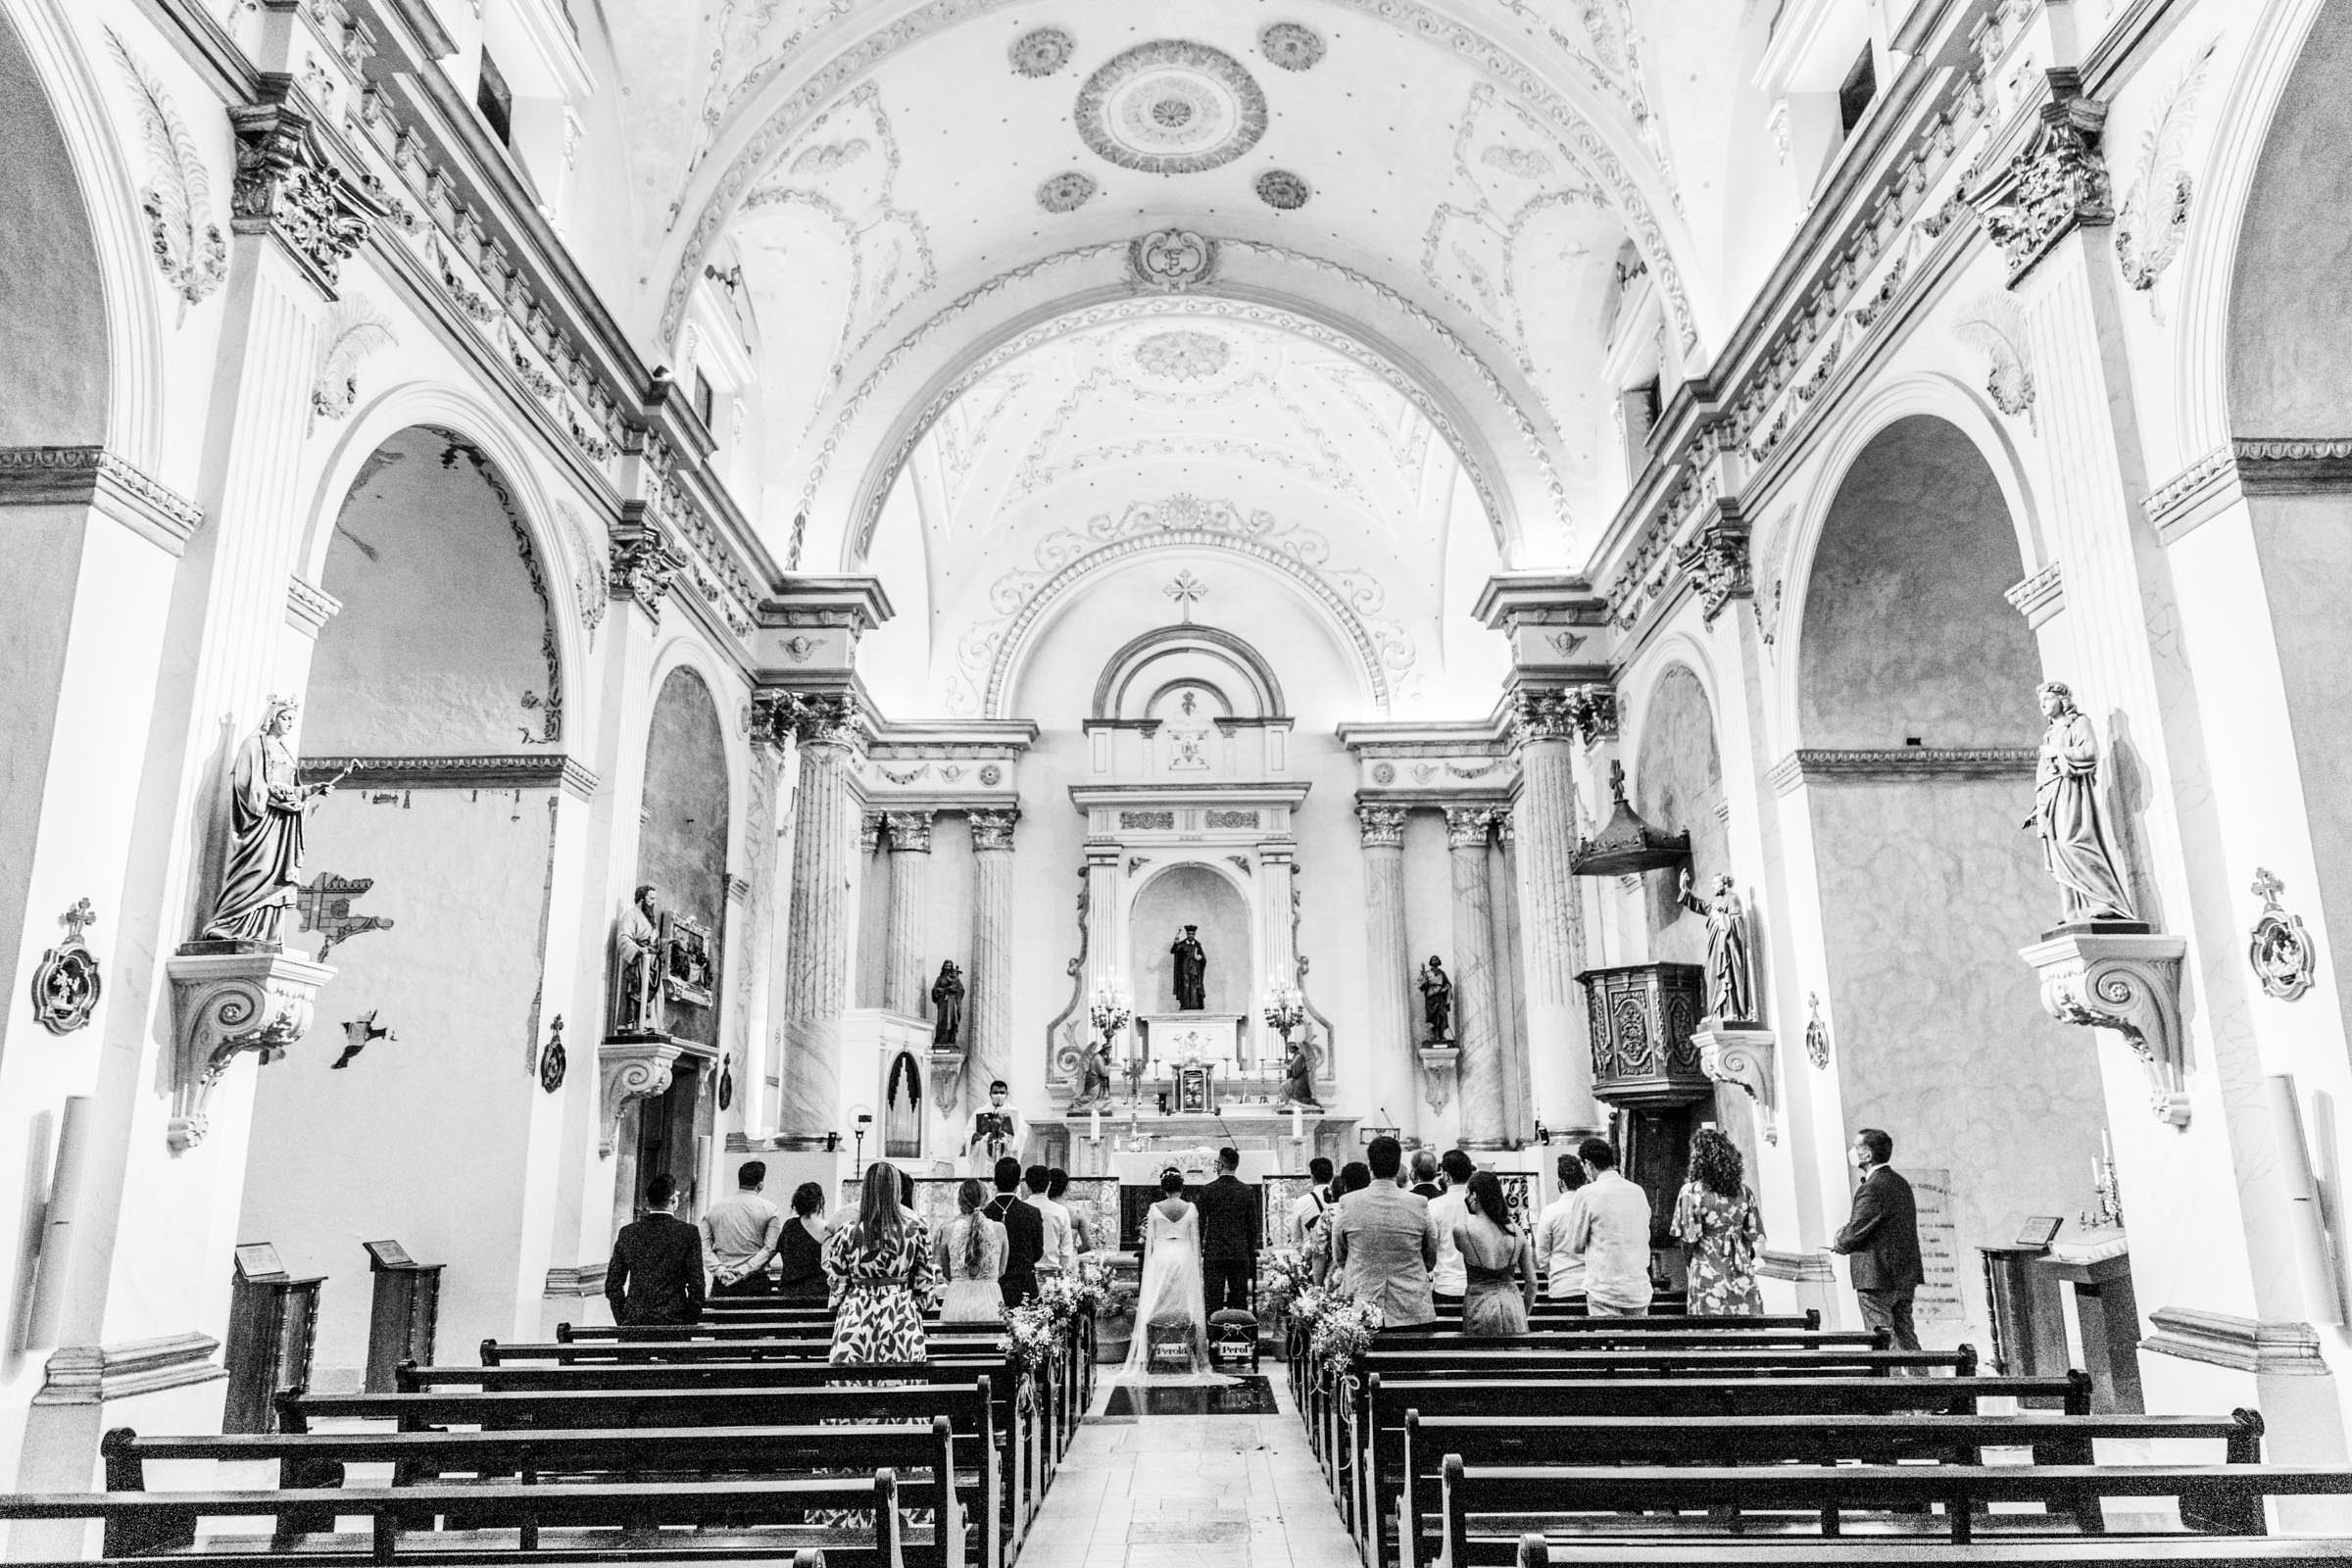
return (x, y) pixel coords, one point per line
(1678, 780)
(54, 352)
(682, 844)
(1185, 895)
(1916, 682)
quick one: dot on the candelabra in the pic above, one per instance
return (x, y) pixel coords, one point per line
(1283, 1009)
(1110, 1009)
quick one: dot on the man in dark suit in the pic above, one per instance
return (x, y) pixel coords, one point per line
(1024, 1235)
(1883, 1240)
(1229, 1235)
(655, 1275)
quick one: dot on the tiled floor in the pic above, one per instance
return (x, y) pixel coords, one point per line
(1189, 1492)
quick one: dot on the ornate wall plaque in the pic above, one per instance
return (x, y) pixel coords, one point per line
(66, 983)
(2281, 949)
(1816, 1033)
(552, 1061)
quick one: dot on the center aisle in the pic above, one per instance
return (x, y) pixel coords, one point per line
(1153, 1492)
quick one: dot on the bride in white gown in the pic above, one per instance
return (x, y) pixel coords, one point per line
(1170, 1299)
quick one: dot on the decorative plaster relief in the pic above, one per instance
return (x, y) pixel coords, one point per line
(286, 186)
(68, 980)
(1996, 327)
(354, 330)
(1291, 45)
(2153, 221)
(1040, 52)
(1171, 107)
(2056, 184)
(2280, 950)
(227, 1004)
(2128, 983)
(1172, 261)
(178, 197)
(1281, 190)
(1066, 191)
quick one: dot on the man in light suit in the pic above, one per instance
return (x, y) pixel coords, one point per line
(1384, 1244)
(1883, 1240)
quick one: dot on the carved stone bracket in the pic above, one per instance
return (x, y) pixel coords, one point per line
(2056, 182)
(224, 1005)
(288, 187)
(629, 1067)
(2130, 983)
(644, 565)
(1747, 1057)
(947, 1075)
(1444, 1064)
(1716, 562)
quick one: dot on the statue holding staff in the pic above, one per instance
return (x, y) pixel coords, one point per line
(267, 808)
(2075, 845)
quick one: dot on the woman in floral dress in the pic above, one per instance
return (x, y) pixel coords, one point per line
(1717, 1216)
(881, 1273)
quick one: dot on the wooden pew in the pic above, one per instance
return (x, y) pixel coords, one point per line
(969, 1406)
(921, 1456)
(1818, 1439)
(765, 1516)
(1372, 1470)
(2172, 1552)
(1616, 1501)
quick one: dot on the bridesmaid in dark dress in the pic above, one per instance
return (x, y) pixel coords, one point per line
(801, 1247)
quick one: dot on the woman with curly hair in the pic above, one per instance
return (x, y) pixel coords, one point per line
(1717, 1216)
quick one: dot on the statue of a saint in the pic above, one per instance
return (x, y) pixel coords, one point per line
(1192, 971)
(2066, 813)
(1730, 973)
(1436, 1003)
(266, 804)
(947, 1005)
(637, 1009)
(1298, 1073)
(1094, 1074)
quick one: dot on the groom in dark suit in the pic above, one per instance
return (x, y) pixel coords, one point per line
(1883, 1240)
(1024, 1235)
(1229, 1235)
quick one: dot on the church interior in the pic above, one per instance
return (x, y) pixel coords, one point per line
(612, 588)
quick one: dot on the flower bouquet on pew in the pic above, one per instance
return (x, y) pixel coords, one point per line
(1033, 1336)
(1343, 1332)
(1286, 1279)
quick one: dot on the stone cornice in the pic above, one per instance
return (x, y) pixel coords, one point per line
(308, 608)
(512, 770)
(92, 476)
(2040, 597)
(1801, 1268)
(2252, 465)
(577, 1280)
(2241, 1344)
(1899, 764)
(97, 1374)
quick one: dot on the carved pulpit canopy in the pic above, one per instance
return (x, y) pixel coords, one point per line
(1626, 844)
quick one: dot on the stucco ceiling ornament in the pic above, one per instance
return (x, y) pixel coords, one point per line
(1171, 107)
(1066, 191)
(2281, 950)
(1183, 355)
(1291, 45)
(1040, 52)
(1172, 261)
(1283, 190)
(178, 197)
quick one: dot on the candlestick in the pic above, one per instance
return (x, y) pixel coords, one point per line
(1094, 1124)
(1298, 1123)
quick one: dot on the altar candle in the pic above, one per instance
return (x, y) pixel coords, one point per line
(1298, 1123)
(1094, 1125)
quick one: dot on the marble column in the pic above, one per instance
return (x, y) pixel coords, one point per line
(826, 810)
(1546, 724)
(987, 978)
(903, 986)
(1475, 1020)
(1388, 951)
(1510, 981)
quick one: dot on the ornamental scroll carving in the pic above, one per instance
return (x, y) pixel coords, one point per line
(224, 1006)
(1747, 1057)
(1716, 562)
(644, 565)
(2130, 984)
(287, 186)
(2057, 182)
(626, 1070)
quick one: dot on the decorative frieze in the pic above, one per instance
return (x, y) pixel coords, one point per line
(92, 476)
(1899, 764)
(2040, 596)
(493, 771)
(288, 187)
(2056, 184)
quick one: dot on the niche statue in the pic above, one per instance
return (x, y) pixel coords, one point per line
(1192, 971)
(947, 1005)
(637, 1006)
(266, 804)
(1730, 973)
(2075, 845)
(1436, 1003)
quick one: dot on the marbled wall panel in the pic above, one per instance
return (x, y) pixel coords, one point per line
(440, 646)
(420, 1137)
(682, 846)
(1928, 889)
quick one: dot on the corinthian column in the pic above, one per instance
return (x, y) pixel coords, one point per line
(1547, 725)
(1510, 978)
(1475, 1021)
(909, 867)
(1388, 960)
(988, 981)
(831, 737)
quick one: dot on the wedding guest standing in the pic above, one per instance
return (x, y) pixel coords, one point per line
(1383, 1242)
(1611, 1231)
(1717, 1216)
(1883, 1240)
(1024, 1235)
(971, 1251)
(881, 1271)
(1563, 1267)
(1446, 1281)
(1354, 1177)
(655, 1275)
(1498, 1266)
(801, 1247)
(740, 1234)
(1306, 1210)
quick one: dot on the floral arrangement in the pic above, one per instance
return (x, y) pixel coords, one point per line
(1342, 1332)
(1286, 1276)
(1033, 1335)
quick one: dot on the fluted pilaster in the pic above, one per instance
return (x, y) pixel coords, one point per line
(1552, 926)
(903, 987)
(1389, 960)
(1476, 1016)
(1510, 978)
(988, 980)
(816, 974)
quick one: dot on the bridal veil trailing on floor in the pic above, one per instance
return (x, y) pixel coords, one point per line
(1170, 1307)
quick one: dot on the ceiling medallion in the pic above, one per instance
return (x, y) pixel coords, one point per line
(1171, 107)
(1183, 355)
(1172, 261)
(1283, 190)
(1066, 191)
(1291, 46)
(1041, 51)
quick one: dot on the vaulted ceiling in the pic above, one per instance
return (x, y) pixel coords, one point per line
(971, 230)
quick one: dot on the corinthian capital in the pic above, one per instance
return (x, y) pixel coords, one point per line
(1587, 712)
(810, 719)
(643, 568)
(1383, 826)
(993, 830)
(910, 831)
(1466, 826)
(2057, 182)
(288, 187)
